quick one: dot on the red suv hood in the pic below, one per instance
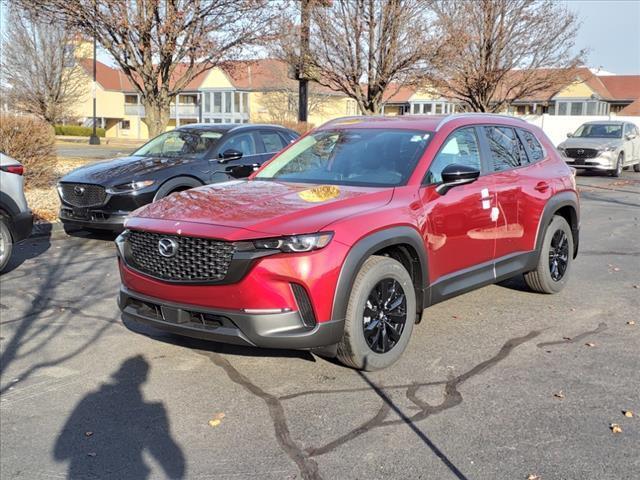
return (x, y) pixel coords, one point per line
(266, 206)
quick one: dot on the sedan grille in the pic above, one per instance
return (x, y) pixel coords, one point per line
(83, 194)
(581, 152)
(191, 259)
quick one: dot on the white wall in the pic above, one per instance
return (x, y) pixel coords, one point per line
(557, 126)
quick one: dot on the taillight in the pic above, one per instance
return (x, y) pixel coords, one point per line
(15, 169)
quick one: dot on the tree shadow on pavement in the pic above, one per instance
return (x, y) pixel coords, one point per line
(110, 429)
(31, 247)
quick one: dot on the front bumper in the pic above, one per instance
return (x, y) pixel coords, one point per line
(604, 161)
(93, 218)
(284, 329)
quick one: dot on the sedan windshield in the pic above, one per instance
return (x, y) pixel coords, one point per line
(598, 130)
(368, 157)
(180, 143)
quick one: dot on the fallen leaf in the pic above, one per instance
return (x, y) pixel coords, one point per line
(568, 339)
(216, 420)
(631, 322)
(628, 413)
(559, 395)
(533, 476)
(636, 286)
(573, 309)
(616, 269)
(615, 428)
(88, 434)
(91, 454)
(590, 344)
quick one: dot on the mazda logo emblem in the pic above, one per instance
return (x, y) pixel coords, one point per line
(167, 247)
(78, 190)
(580, 152)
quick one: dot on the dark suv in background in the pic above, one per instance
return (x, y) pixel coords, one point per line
(101, 195)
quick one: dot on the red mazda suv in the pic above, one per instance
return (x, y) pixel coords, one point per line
(339, 243)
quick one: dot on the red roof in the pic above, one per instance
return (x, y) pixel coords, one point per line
(632, 109)
(622, 87)
(108, 78)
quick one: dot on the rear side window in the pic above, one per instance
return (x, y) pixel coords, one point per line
(460, 148)
(272, 141)
(507, 151)
(535, 149)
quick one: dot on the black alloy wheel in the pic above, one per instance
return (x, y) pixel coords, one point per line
(385, 315)
(558, 255)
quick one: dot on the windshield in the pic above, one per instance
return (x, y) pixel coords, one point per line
(597, 130)
(371, 157)
(180, 143)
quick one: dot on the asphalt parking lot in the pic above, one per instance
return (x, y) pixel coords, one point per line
(501, 383)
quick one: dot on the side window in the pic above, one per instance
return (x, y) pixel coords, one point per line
(506, 150)
(537, 153)
(243, 142)
(460, 148)
(272, 141)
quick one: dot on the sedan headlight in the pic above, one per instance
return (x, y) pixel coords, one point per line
(609, 149)
(130, 187)
(292, 244)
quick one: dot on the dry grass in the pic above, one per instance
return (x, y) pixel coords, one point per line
(43, 199)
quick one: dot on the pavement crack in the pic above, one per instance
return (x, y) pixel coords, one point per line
(601, 328)
(303, 458)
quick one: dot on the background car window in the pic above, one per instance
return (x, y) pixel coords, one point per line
(537, 153)
(461, 148)
(242, 142)
(599, 130)
(272, 141)
(506, 150)
(179, 143)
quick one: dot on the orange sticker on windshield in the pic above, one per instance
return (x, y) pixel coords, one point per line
(319, 194)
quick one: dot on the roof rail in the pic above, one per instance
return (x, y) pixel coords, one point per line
(454, 116)
(352, 118)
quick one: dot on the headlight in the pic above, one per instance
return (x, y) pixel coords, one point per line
(609, 149)
(130, 187)
(295, 243)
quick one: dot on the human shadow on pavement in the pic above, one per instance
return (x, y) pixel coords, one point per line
(111, 428)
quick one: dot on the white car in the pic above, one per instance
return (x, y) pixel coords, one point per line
(610, 146)
(16, 219)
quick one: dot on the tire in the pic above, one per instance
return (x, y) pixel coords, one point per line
(619, 166)
(385, 275)
(636, 167)
(6, 243)
(544, 279)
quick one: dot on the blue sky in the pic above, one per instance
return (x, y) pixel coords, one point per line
(610, 30)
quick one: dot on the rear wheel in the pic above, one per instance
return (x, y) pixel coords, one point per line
(556, 256)
(6, 243)
(636, 167)
(380, 315)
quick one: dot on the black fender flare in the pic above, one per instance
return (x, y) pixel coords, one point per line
(566, 198)
(176, 182)
(363, 249)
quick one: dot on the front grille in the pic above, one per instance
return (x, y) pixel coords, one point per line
(83, 194)
(581, 152)
(194, 259)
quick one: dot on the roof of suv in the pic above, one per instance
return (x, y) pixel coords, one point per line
(227, 126)
(419, 122)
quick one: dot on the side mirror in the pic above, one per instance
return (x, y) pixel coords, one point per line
(241, 171)
(629, 136)
(455, 175)
(569, 135)
(229, 155)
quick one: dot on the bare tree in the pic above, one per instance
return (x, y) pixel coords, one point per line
(38, 67)
(499, 51)
(364, 48)
(162, 45)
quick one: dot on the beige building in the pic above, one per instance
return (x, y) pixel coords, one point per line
(241, 92)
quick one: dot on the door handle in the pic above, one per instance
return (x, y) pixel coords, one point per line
(542, 186)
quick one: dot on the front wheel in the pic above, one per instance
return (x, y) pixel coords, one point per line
(619, 166)
(636, 167)
(556, 256)
(380, 315)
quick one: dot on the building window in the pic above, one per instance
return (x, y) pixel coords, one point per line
(429, 108)
(125, 124)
